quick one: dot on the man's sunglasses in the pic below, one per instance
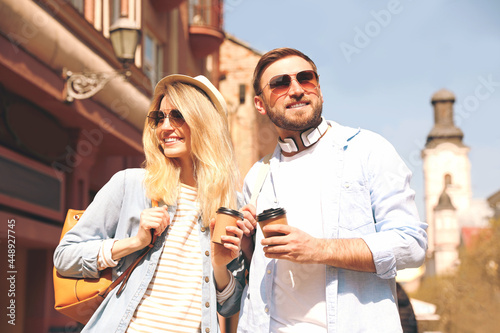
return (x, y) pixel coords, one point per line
(156, 118)
(280, 84)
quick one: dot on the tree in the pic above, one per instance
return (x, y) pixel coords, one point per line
(468, 301)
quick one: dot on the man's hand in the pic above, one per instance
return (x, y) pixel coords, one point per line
(298, 246)
(295, 245)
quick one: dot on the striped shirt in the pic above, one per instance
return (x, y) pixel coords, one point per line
(172, 302)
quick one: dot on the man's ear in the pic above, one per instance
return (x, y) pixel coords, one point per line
(321, 94)
(259, 105)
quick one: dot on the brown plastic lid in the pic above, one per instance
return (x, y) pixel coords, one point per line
(229, 211)
(270, 213)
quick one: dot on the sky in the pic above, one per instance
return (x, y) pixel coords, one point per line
(380, 62)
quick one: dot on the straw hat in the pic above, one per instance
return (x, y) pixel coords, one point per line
(201, 82)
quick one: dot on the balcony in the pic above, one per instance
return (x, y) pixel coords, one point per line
(165, 5)
(205, 26)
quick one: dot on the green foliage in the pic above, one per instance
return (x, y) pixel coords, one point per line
(468, 301)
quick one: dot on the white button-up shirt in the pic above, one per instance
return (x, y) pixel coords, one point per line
(366, 195)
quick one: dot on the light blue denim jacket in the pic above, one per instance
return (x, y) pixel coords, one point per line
(115, 213)
(367, 195)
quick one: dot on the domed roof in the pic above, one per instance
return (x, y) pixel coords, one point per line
(443, 95)
(444, 129)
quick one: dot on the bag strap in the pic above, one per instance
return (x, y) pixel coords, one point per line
(124, 277)
(261, 177)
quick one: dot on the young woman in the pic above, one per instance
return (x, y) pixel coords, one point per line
(190, 170)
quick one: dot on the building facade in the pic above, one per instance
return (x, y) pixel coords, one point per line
(447, 184)
(56, 152)
(253, 134)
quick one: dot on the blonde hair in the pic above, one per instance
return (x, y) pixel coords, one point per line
(215, 167)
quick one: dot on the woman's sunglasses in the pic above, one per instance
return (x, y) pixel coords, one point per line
(156, 118)
(280, 84)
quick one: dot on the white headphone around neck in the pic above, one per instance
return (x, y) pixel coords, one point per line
(308, 137)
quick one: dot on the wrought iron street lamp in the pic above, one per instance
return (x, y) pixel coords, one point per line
(124, 37)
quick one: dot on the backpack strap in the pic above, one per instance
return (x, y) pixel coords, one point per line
(261, 177)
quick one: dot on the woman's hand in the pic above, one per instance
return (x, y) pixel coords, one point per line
(155, 218)
(223, 254)
(249, 222)
(249, 227)
(230, 248)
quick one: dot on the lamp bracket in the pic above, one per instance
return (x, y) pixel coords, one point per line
(87, 84)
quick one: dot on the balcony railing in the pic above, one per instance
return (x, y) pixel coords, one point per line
(165, 5)
(206, 13)
(205, 26)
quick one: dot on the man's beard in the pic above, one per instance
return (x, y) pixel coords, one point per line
(299, 124)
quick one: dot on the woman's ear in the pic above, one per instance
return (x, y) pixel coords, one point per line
(259, 105)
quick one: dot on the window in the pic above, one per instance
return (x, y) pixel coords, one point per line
(78, 4)
(115, 8)
(153, 57)
(447, 180)
(203, 12)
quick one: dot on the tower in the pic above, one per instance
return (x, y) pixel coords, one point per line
(447, 235)
(447, 183)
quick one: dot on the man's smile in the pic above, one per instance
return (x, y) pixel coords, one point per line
(296, 105)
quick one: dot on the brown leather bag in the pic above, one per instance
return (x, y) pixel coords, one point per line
(79, 298)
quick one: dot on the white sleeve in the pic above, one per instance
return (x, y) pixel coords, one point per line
(104, 259)
(222, 296)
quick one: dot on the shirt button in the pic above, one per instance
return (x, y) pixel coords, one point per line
(207, 279)
(202, 229)
(268, 271)
(207, 253)
(207, 304)
(207, 330)
(266, 309)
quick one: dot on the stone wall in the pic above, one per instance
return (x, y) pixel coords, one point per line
(253, 135)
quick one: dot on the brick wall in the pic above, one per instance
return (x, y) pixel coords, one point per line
(253, 135)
